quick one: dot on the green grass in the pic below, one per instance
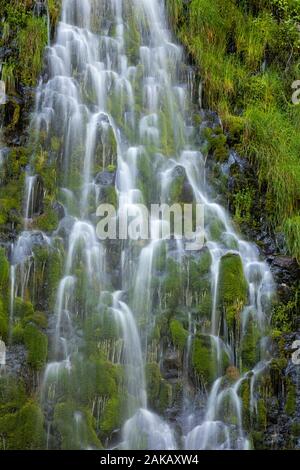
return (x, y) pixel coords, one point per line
(248, 57)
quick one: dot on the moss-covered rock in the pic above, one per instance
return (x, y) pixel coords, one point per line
(75, 427)
(4, 269)
(203, 360)
(233, 289)
(36, 344)
(290, 405)
(4, 322)
(250, 346)
(178, 334)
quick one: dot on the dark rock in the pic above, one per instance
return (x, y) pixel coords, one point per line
(105, 178)
(171, 364)
(285, 269)
(65, 226)
(59, 210)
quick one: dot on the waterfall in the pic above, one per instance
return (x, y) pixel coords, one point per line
(117, 105)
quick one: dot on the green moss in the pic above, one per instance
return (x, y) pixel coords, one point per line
(36, 344)
(18, 334)
(292, 233)
(178, 334)
(109, 196)
(31, 43)
(232, 287)
(48, 221)
(132, 40)
(54, 7)
(285, 313)
(199, 273)
(258, 440)
(4, 323)
(217, 143)
(290, 405)
(75, 427)
(245, 397)
(203, 360)
(261, 414)
(22, 430)
(23, 309)
(4, 269)
(172, 285)
(165, 396)
(250, 346)
(216, 229)
(38, 318)
(153, 379)
(243, 202)
(112, 416)
(29, 430)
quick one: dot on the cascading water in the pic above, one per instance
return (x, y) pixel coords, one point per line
(114, 118)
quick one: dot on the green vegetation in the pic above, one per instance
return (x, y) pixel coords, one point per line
(203, 359)
(178, 334)
(21, 420)
(232, 288)
(30, 37)
(36, 344)
(248, 57)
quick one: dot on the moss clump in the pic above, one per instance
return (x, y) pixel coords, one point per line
(22, 430)
(250, 345)
(203, 360)
(290, 405)
(23, 309)
(18, 333)
(4, 269)
(39, 319)
(31, 43)
(158, 390)
(232, 287)
(112, 416)
(75, 427)
(36, 344)
(153, 378)
(217, 143)
(199, 273)
(178, 334)
(245, 395)
(48, 221)
(109, 196)
(29, 430)
(172, 284)
(261, 414)
(165, 396)
(3, 321)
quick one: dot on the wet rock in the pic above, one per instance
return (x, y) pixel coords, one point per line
(171, 364)
(59, 210)
(37, 198)
(105, 178)
(209, 119)
(65, 226)
(285, 269)
(180, 189)
(15, 360)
